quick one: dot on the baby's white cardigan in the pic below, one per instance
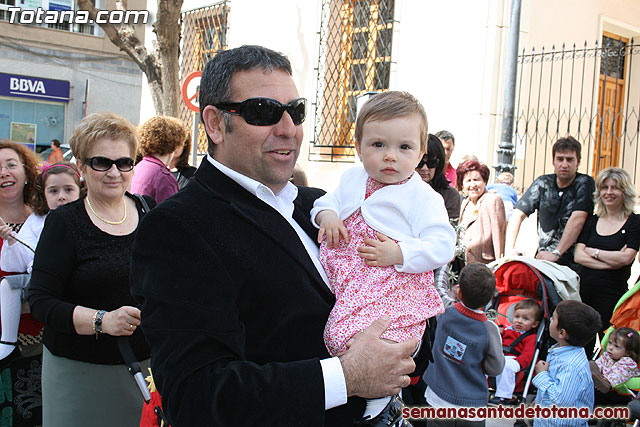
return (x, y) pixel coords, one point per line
(411, 213)
(17, 258)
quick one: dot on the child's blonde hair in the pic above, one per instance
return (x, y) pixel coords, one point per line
(629, 339)
(505, 178)
(390, 105)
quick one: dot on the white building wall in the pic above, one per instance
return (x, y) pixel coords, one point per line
(448, 54)
(445, 53)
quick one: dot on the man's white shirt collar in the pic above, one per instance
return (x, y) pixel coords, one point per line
(287, 194)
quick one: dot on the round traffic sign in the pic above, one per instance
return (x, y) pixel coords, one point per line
(189, 90)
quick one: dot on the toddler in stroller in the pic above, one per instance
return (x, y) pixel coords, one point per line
(519, 342)
(619, 362)
(520, 279)
(626, 318)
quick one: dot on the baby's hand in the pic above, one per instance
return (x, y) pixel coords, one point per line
(542, 366)
(331, 226)
(6, 232)
(381, 253)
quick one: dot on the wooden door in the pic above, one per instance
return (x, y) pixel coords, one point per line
(609, 117)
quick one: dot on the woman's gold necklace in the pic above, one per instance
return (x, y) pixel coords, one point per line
(124, 218)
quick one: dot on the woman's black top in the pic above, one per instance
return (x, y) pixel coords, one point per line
(629, 234)
(183, 175)
(76, 263)
(452, 201)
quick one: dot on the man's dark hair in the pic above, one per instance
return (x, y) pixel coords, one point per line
(477, 285)
(580, 321)
(444, 135)
(567, 144)
(56, 142)
(215, 84)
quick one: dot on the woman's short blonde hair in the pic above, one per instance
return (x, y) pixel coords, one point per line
(623, 180)
(161, 135)
(98, 126)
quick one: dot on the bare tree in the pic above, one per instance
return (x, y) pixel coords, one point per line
(161, 66)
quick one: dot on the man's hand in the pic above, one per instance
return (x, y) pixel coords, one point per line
(375, 368)
(541, 366)
(547, 256)
(331, 226)
(381, 253)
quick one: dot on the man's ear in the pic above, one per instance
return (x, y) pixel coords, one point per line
(213, 123)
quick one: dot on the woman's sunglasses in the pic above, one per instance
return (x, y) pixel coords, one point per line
(265, 111)
(431, 162)
(103, 164)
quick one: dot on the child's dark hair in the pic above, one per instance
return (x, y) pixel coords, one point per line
(629, 339)
(477, 285)
(530, 304)
(39, 204)
(580, 321)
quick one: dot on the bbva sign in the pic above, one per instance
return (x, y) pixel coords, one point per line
(27, 85)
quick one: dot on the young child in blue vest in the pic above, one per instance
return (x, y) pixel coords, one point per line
(466, 347)
(565, 379)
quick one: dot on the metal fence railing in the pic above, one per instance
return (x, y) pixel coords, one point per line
(591, 93)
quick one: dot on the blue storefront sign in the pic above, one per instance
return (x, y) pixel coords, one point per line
(16, 85)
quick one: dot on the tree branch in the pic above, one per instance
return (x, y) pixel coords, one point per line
(160, 66)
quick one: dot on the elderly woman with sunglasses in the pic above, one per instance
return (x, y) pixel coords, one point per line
(431, 170)
(80, 285)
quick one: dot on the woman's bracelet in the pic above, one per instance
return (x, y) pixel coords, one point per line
(97, 322)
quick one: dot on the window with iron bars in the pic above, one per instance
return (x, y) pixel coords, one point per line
(354, 59)
(204, 32)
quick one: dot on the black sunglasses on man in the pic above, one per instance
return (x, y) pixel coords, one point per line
(265, 111)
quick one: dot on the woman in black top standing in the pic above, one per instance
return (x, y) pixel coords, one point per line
(179, 165)
(608, 243)
(431, 169)
(80, 285)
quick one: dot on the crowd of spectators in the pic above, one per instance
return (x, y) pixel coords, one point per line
(222, 288)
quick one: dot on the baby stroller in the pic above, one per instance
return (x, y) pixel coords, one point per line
(519, 278)
(625, 314)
